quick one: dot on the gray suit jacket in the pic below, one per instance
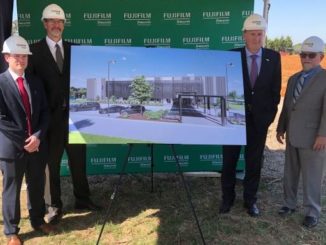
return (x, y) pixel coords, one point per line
(13, 126)
(304, 120)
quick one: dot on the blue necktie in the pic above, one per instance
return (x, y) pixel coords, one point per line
(298, 87)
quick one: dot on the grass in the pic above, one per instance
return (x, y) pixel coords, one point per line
(139, 216)
(82, 138)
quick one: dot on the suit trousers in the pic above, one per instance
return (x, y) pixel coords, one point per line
(312, 165)
(253, 163)
(33, 166)
(77, 165)
(58, 142)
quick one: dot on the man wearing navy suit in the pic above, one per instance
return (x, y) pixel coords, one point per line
(23, 123)
(262, 84)
(51, 62)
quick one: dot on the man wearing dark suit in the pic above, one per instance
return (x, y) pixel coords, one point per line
(262, 84)
(24, 120)
(51, 62)
(303, 119)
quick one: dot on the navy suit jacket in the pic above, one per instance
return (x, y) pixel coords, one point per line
(56, 83)
(262, 100)
(13, 126)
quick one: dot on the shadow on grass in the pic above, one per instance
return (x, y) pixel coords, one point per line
(139, 216)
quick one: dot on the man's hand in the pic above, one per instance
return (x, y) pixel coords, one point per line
(280, 137)
(320, 143)
(32, 144)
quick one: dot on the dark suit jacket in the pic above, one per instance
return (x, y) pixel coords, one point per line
(56, 84)
(13, 126)
(261, 101)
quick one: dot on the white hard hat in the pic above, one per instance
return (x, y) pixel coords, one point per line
(15, 45)
(53, 11)
(313, 44)
(254, 22)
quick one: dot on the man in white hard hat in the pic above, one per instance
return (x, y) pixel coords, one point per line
(24, 120)
(51, 62)
(303, 120)
(262, 83)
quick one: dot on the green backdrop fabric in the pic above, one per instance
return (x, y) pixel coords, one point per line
(204, 24)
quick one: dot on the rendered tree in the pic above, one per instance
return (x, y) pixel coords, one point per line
(141, 90)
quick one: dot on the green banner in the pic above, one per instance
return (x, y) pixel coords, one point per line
(205, 24)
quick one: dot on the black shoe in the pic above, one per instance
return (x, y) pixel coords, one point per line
(252, 209)
(225, 207)
(310, 221)
(54, 215)
(88, 205)
(284, 211)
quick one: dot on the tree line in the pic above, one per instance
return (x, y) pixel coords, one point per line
(282, 44)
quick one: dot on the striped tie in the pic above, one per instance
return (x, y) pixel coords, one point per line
(298, 87)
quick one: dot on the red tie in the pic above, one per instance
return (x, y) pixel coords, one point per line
(25, 99)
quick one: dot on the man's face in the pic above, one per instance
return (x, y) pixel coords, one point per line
(310, 60)
(254, 39)
(17, 62)
(54, 28)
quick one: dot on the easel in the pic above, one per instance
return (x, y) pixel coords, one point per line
(123, 170)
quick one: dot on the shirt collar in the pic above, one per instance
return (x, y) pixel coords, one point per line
(311, 72)
(259, 53)
(52, 43)
(14, 75)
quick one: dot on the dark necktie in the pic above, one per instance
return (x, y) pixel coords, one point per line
(298, 87)
(24, 95)
(58, 57)
(254, 70)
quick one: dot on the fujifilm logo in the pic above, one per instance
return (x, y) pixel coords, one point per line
(246, 13)
(169, 158)
(24, 19)
(198, 42)
(103, 160)
(142, 19)
(181, 18)
(101, 19)
(139, 159)
(84, 41)
(215, 159)
(137, 16)
(68, 19)
(220, 17)
(210, 157)
(117, 41)
(97, 16)
(237, 41)
(160, 41)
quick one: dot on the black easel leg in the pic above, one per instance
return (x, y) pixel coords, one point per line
(188, 193)
(152, 166)
(116, 188)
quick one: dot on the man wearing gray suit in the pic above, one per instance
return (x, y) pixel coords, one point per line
(303, 120)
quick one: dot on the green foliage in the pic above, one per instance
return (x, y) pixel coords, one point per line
(141, 90)
(284, 44)
(155, 115)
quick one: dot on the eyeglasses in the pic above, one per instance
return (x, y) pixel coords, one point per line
(309, 55)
